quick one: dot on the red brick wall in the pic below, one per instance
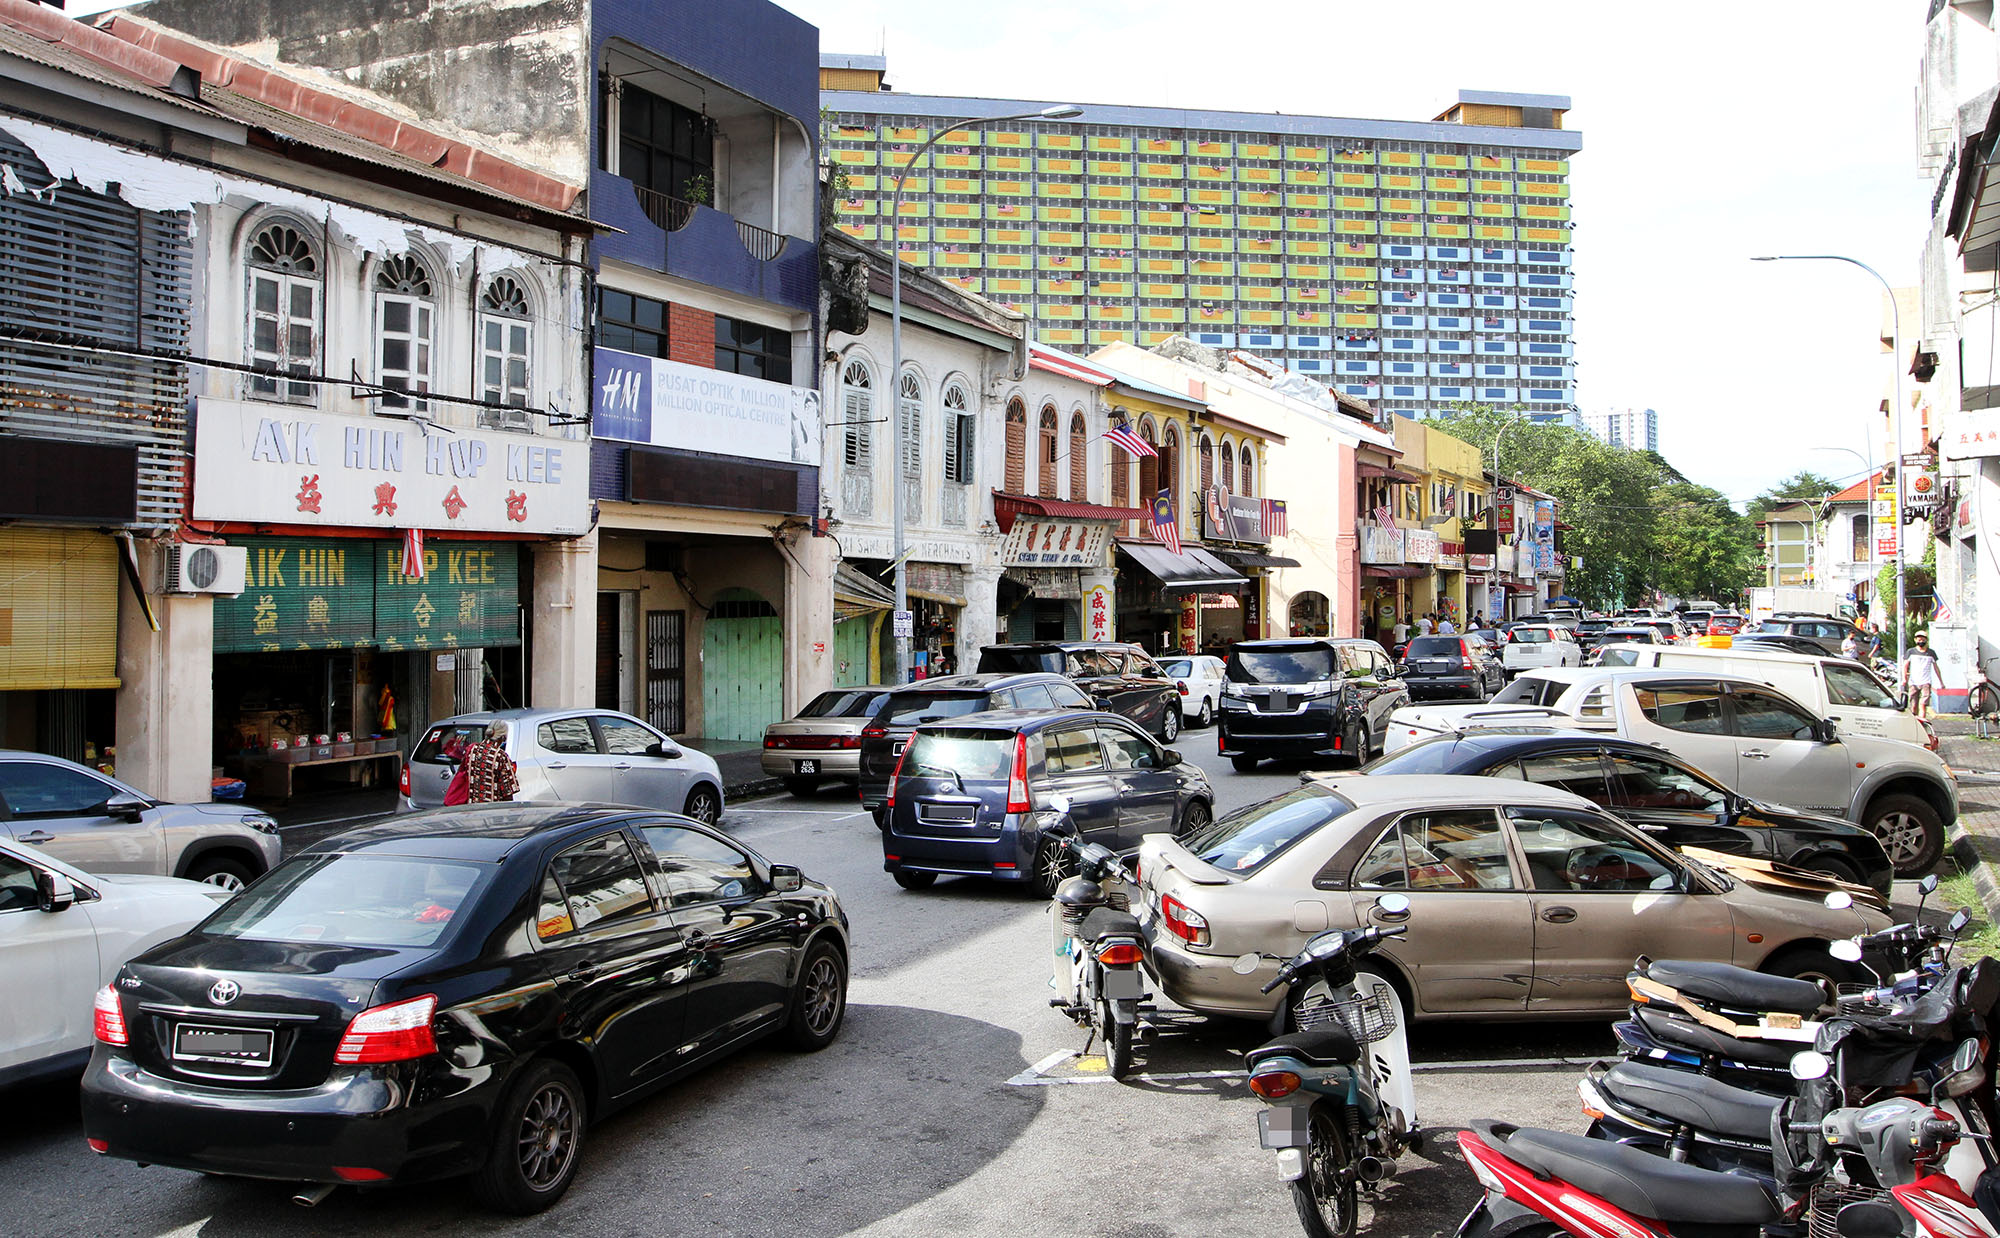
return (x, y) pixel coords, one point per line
(691, 336)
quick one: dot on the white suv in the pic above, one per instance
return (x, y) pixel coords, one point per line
(1535, 645)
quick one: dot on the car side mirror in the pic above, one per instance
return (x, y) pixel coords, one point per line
(786, 879)
(657, 749)
(126, 807)
(57, 894)
(1170, 757)
(1823, 730)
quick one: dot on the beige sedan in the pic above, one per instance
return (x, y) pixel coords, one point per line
(1525, 901)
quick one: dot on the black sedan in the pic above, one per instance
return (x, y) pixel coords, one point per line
(455, 993)
(1451, 666)
(1659, 793)
(1120, 678)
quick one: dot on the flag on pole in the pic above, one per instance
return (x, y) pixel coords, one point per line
(1383, 517)
(1165, 527)
(1122, 434)
(413, 553)
(1273, 513)
(1942, 614)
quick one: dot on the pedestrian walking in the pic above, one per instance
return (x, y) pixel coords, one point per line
(1850, 645)
(1874, 640)
(1424, 624)
(1401, 632)
(489, 771)
(1920, 676)
(1446, 627)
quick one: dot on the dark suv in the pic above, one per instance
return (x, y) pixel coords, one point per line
(1461, 666)
(1306, 697)
(951, 697)
(1821, 630)
(1120, 678)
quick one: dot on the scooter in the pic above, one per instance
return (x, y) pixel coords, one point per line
(1098, 950)
(1349, 1107)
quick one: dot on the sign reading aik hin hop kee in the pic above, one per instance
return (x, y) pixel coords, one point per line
(342, 593)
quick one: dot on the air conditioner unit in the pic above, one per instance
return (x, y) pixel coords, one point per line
(207, 569)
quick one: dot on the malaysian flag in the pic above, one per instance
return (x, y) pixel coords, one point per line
(1942, 614)
(1122, 435)
(1271, 514)
(413, 553)
(1164, 525)
(1384, 517)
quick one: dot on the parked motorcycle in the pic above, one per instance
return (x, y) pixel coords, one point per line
(1343, 1105)
(1097, 947)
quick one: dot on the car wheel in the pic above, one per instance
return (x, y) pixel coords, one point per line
(915, 881)
(537, 1132)
(1170, 724)
(1051, 866)
(1243, 765)
(801, 787)
(223, 871)
(1193, 821)
(1357, 748)
(819, 1003)
(704, 805)
(1910, 832)
(1834, 867)
(1809, 962)
(1205, 717)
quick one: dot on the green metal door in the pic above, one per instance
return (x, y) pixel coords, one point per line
(850, 651)
(742, 667)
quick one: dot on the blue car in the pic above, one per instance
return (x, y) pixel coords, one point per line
(969, 794)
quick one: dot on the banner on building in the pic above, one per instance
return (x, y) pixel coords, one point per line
(1039, 542)
(344, 593)
(1545, 520)
(1971, 435)
(671, 404)
(1230, 517)
(1420, 546)
(1097, 613)
(1381, 545)
(1503, 510)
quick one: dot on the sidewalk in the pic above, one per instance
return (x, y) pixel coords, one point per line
(1975, 836)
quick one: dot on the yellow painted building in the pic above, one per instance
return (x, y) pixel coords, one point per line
(1451, 495)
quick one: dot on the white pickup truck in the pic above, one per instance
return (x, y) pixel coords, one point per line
(1537, 646)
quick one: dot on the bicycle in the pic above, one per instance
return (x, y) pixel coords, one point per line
(1983, 702)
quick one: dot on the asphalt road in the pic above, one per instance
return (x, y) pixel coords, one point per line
(949, 1105)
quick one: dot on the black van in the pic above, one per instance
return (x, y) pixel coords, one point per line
(1305, 697)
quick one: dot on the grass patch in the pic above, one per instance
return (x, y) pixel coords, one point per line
(1981, 937)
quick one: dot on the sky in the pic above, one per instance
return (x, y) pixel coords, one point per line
(1712, 132)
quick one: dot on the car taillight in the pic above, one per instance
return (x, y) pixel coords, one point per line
(1184, 922)
(772, 741)
(1122, 954)
(392, 1033)
(898, 771)
(1017, 780)
(1182, 687)
(873, 732)
(1465, 651)
(107, 1020)
(850, 741)
(403, 784)
(1273, 1084)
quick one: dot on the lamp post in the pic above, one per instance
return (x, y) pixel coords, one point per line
(1505, 426)
(1060, 111)
(1895, 419)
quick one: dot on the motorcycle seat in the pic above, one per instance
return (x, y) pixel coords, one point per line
(1738, 987)
(1109, 922)
(1686, 1033)
(1641, 1183)
(1705, 1104)
(1330, 1045)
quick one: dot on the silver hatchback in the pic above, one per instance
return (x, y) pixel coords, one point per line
(576, 756)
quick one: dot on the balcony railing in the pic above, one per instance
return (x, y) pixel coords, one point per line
(670, 213)
(763, 246)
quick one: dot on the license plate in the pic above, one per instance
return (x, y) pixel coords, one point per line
(956, 814)
(1121, 984)
(1277, 701)
(806, 767)
(1285, 1126)
(896, 749)
(231, 1046)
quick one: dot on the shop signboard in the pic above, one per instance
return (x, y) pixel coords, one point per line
(1545, 520)
(1496, 602)
(1380, 545)
(1227, 517)
(1420, 546)
(261, 464)
(1503, 559)
(1503, 511)
(1190, 623)
(1451, 555)
(343, 593)
(1482, 563)
(1970, 435)
(1097, 613)
(1922, 491)
(1039, 542)
(671, 404)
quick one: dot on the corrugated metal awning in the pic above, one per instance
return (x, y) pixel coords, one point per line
(1192, 568)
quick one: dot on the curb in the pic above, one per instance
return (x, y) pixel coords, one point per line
(751, 789)
(1978, 860)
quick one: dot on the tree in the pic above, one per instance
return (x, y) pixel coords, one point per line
(1804, 484)
(1706, 548)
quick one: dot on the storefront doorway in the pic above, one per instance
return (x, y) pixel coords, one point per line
(742, 661)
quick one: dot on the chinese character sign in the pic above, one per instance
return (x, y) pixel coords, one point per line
(1097, 612)
(341, 593)
(1503, 511)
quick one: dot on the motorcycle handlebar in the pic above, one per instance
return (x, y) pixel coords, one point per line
(1932, 1131)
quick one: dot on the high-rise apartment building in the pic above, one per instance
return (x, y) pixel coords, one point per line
(1626, 427)
(1417, 265)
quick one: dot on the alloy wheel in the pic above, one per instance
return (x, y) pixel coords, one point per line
(1902, 837)
(822, 996)
(703, 806)
(1170, 726)
(548, 1136)
(224, 880)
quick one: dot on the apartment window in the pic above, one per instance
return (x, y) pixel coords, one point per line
(753, 349)
(631, 323)
(1248, 487)
(1170, 464)
(1149, 466)
(1858, 552)
(910, 409)
(405, 326)
(960, 436)
(1229, 468)
(857, 410)
(1047, 453)
(1121, 476)
(1017, 447)
(1205, 454)
(665, 147)
(506, 333)
(285, 298)
(1079, 460)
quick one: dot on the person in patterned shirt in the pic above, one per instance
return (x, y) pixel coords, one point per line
(489, 771)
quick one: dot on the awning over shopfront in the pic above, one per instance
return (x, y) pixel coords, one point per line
(1372, 471)
(1008, 507)
(854, 592)
(1515, 586)
(1192, 568)
(1245, 558)
(1390, 571)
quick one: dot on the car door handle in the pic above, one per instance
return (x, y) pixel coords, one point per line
(1652, 827)
(1559, 915)
(699, 941)
(586, 972)
(1756, 754)
(623, 765)
(39, 836)
(556, 765)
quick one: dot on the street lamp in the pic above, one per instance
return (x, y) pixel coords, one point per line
(1060, 111)
(1505, 426)
(1895, 417)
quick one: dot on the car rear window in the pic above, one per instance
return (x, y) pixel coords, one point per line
(843, 703)
(1531, 636)
(1182, 669)
(974, 755)
(1774, 625)
(1303, 665)
(447, 742)
(1434, 647)
(934, 707)
(1246, 839)
(353, 900)
(1014, 661)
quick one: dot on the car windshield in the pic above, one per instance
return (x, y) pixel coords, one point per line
(1002, 661)
(973, 755)
(353, 900)
(1434, 647)
(842, 703)
(1306, 664)
(1528, 690)
(1849, 684)
(1246, 839)
(934, 706)
(1178, 670)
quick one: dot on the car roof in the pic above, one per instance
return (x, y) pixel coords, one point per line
(486, 832)
(523, 716)
(1773, 654)
(979, 681)
(1024, 720)
(1376, 790)
(1641, 674)
(1067, 645)
(1489, 743)
(1299, 642)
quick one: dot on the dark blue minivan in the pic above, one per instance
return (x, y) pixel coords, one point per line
(971, 794)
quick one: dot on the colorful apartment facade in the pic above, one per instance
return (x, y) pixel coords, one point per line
(1416, 265)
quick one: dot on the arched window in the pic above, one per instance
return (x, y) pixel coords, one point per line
(1228, 468)
(1149, 466)
(285, 300)
(960, 435)
(1079, 460)
(910, 408)
(1249, 482)
(405, 326)
(506, 341)
(1170, 463)
(1121, 476)
(857, 410)
(1205, 454)
(1046, 451)
(1017, 447)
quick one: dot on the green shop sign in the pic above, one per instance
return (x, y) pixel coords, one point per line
(339, 593)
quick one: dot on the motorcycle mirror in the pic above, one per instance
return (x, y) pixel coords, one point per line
(1839, 900)
(1810, 1065)
(1060, 804)
(1959, 920)
(1246, 963)
(1393, 904)
(1868, 1219)
(1848, 951)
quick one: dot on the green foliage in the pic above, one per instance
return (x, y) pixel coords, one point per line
(1804, 484)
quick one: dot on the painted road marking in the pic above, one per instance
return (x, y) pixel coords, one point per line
(1038, 1076)
(801, 812)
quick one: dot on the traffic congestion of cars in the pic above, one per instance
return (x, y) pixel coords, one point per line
(462, 992)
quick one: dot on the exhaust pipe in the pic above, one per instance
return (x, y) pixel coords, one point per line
(1373, 1169)
(314, 1194)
